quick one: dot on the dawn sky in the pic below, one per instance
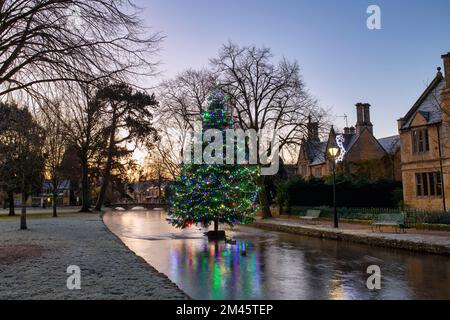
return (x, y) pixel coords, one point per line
(342, 61)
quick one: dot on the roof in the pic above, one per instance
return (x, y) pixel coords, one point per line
(349, 140)
(316, 151)
(390, 144)
(146, 184)
(62, 185)
(428, 104)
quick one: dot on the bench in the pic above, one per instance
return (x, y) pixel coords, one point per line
(311, 215)
(395, 220)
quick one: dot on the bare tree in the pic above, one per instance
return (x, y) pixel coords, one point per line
(54, 148)
(83, 121)
(265, 95)
(155, 170)
(45, 43)
(182, 101)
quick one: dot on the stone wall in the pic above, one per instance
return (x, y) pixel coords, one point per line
(436, 159)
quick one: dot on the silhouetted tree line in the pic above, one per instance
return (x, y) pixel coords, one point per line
(70, 88)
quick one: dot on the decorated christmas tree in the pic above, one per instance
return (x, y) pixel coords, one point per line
(214, 193)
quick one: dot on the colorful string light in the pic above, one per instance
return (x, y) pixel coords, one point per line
(206, 192)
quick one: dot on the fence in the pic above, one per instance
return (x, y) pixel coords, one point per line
(413, 216)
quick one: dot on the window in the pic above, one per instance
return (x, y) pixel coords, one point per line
(438, 184)
(425, 184)
(429, 184)
(303, 170)
(318, 172)
(420, 141)
(432, 182)
(419, 184)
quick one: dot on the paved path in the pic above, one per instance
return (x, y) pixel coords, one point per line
(415, 240)
(33, 263)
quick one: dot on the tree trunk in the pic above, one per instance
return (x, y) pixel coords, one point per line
(263, 199)
(11, 204)
(107, 172)
(105, 182)
(55, 198)
(23, 214)
(216, 235)
(216, 225)
(159, 187)
(85, 184)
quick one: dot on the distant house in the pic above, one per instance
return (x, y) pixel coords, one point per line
(45, 197)
(64, 190)
(151, 191)
(425, 146)
(364, 154)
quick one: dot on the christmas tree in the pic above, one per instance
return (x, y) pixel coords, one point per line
(214, 193)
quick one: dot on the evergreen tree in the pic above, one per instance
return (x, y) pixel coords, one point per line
(214, 193)
(21, 159)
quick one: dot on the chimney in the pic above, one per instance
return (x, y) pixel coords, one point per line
(313, 130)
(446, 59)
(363, 117)
(359, 113)
(400, 123)
(445, 96)
(366, 111)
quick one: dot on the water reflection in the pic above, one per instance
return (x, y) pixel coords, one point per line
(220, 269)
(272, 265)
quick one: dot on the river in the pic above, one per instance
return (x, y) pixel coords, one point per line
(273, 265)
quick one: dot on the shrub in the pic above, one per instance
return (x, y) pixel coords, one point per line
(351, 191)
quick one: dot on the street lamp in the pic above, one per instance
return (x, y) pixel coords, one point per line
(334, 152)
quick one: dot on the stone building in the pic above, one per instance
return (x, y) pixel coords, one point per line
(43, 198)
(364, 154)
(425, 146)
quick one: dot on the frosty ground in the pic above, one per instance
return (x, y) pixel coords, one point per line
(33, 263)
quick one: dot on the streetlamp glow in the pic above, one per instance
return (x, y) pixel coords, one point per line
(334, 152)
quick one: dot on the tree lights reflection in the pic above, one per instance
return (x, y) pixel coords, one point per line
(276, 265)
(222, 269)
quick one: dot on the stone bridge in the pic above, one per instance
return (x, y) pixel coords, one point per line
(130, 205)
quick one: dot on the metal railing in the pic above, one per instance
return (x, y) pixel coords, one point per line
(412, 216)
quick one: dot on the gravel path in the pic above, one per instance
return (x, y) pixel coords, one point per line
(33, 263)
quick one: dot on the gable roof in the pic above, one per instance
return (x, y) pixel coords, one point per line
(390, 144)
(428, 104)
(349, 140)
(315, 151)
(62, 185)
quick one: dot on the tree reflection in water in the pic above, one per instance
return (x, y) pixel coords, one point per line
(277, 265)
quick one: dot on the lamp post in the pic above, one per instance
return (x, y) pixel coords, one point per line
(334, 152)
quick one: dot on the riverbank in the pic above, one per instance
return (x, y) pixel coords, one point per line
(436, 242)
(38, 212)
(33, 262)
